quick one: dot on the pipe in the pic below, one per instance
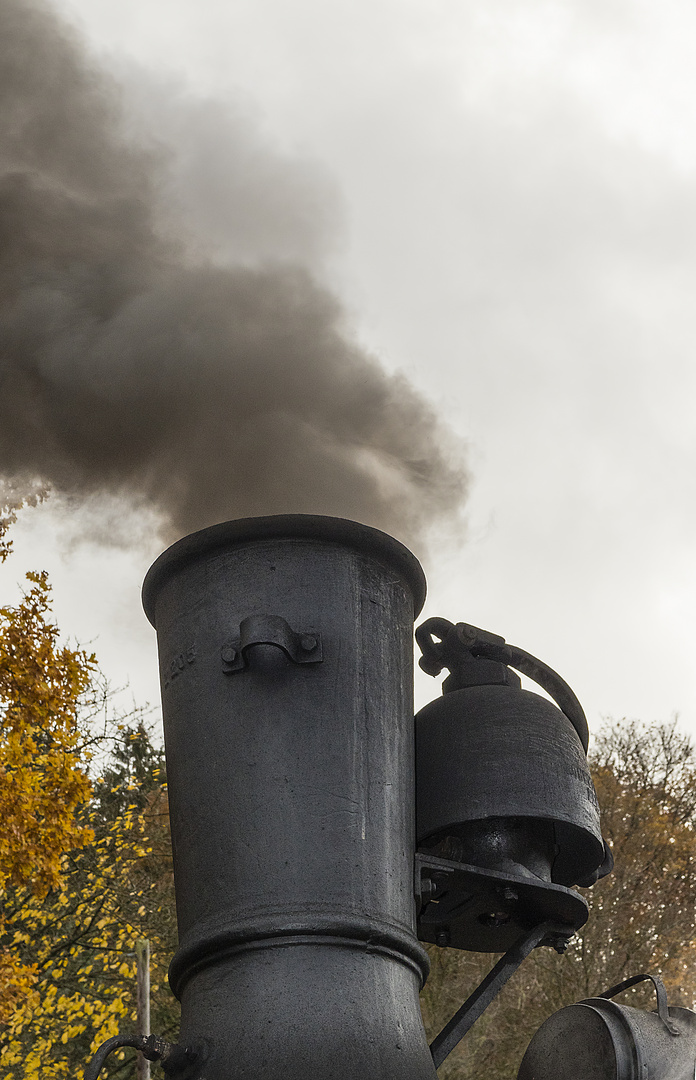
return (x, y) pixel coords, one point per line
(286, 661)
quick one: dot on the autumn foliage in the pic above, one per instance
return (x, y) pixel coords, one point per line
(85, 864)
(43, 768)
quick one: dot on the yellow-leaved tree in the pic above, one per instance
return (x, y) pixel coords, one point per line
(81, 936)
(85, 865)
(43, 771)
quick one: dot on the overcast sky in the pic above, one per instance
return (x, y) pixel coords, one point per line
(508, 202)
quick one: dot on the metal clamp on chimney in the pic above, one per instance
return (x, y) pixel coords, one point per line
(301, 648)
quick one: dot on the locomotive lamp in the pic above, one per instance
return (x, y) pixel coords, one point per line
(599, 1039)
(315, 840)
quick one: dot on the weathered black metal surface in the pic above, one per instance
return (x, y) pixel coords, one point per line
(481, 910)
(291, 800)
(497, 752)
(312, 527)
(597, 1039)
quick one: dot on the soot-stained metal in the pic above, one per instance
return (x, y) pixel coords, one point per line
(290, 763)
(317, 837)
(507, 815)
(600, 1039)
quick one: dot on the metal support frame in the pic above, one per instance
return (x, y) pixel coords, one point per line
(476, 1004)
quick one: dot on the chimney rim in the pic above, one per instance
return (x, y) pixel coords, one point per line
(341, 531)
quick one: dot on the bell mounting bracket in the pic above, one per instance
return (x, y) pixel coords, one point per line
(453, 1032)
(476, 908)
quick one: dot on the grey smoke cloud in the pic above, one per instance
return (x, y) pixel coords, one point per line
(204, 371)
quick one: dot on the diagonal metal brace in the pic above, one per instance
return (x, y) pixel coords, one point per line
(476, 1004)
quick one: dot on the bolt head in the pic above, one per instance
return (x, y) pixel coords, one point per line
(308, 642)
(494, 918)
(229, 654)
(428, 888)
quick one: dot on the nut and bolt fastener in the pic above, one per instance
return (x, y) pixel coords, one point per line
(494, 918)
(443, 939)
(428, 888)
(229, 654)
(308, 642)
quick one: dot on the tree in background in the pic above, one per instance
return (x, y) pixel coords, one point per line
(81, 937)
(43, 760)
(642, 917)
(85, 866)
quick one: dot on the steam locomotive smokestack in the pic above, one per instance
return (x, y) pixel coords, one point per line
(286, 663)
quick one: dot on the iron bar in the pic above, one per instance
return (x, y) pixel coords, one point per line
(475, 1005)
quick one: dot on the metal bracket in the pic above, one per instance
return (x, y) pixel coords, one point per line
(476, 1004)
(481, 910)
(175, 1060)
(302, 647)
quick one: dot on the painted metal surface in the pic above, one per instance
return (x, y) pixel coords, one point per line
(503, 785)
(292, 799)
(600, 1039)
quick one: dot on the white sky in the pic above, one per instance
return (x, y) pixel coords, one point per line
(517, 233)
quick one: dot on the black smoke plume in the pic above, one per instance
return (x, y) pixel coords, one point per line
(133, 363)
